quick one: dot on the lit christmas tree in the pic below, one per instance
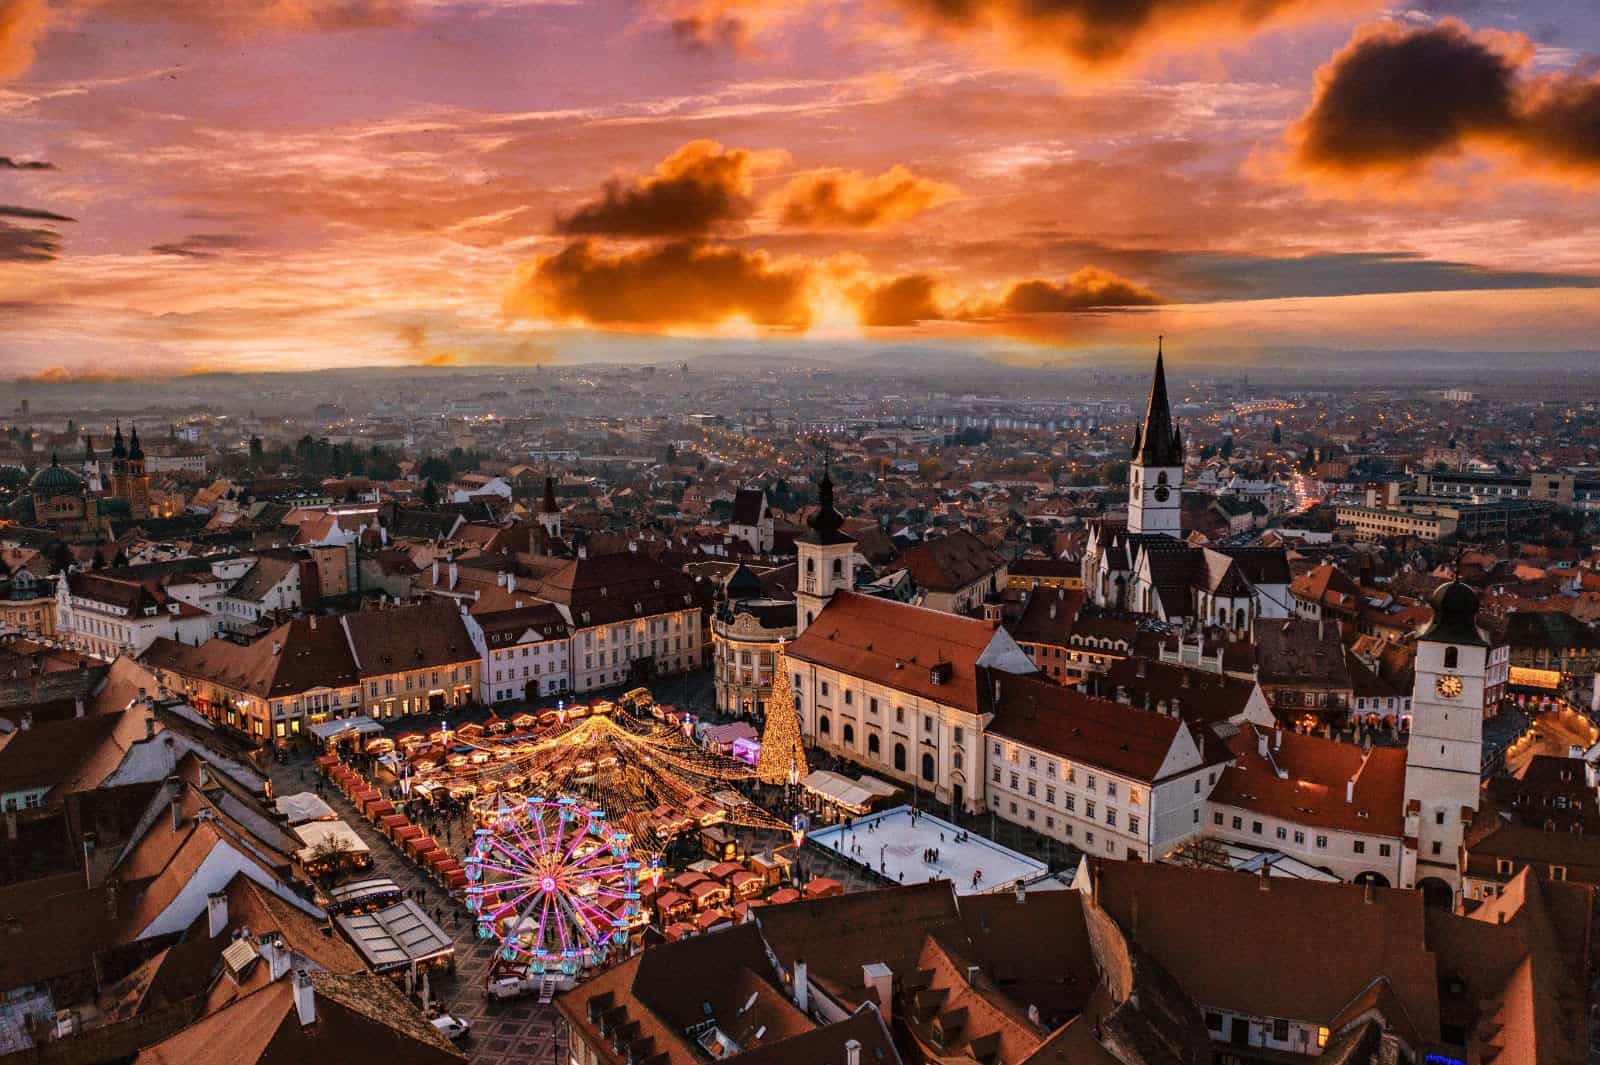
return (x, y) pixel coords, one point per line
(782, 752)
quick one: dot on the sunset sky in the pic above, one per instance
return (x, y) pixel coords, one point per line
(273, 184)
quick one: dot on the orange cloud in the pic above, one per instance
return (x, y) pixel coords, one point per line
(694, 191)
(1396, 100)
(257, 15)
(1084, 35)
(680, 283)
(848, 199)
(22, 23)
(901, 301)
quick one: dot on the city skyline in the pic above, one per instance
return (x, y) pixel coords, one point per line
(286, 185)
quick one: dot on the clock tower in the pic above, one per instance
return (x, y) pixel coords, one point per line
(1155, 469)
(1444, 759)
(827, 558)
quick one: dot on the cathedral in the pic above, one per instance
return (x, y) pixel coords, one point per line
(1144, 565)
(130, 480)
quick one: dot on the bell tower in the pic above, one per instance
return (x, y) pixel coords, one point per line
(826, 554)
(1155, 469)
(549, 512)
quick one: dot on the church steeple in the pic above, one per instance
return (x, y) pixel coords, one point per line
(1159, 442)
(119, 450)
(827, 521)
(135, 451)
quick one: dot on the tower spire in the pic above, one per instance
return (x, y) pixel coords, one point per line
(1157, 442)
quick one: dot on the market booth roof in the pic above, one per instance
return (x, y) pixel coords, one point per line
(304, 806)
(327, 731)
(396, 936)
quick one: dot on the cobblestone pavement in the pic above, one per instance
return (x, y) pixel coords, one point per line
(520, 1032)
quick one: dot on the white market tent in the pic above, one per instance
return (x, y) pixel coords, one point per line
(314, 833)
(327, 731)
(304, 806)
(856, 795)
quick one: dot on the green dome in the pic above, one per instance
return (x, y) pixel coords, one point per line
(56, 478)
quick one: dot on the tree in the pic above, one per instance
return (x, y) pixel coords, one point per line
(258, 450)
(430, 494)
(1277, 433)
(434, 468)
(1227, 448)
(782, 750)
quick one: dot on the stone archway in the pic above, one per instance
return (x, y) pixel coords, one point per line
(1436, 893)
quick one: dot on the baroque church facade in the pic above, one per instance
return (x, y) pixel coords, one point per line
(1144, 565)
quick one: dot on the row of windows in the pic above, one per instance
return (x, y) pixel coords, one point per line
(1359, 846)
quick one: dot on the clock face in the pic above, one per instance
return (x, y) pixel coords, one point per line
(1161, 494)
(1449, 685)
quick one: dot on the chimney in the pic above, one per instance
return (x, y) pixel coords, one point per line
(1052, 611)
(511, 582)
(277, 956)
(150, 728)
(1350, 790)
(27, 720)
(1368, 893)
(1277, 738)
(802, 990)
(1266, 877)
(852, 1052)
(77, 707)
(305, 1000)
(878, 976)
(176, 805)
(453, 575)
(1261, 744)
(972, 976)
(203, 774)
(277, 647)
(436, 572)
(1022, 892)
(216, 913)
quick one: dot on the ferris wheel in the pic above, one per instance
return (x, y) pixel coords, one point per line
(553, 884)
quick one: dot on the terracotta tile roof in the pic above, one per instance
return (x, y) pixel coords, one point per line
(1232, 944)
(1047, 617)
(361, 1019)
(1201, 695)
(949, 563)
(1313, 788)
(1081, 728)
(427, 636)
(896, 645)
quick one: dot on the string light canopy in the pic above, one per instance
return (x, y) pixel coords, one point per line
(650, 780)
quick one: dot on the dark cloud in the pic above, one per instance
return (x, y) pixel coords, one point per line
(8, 163)
(845, 199)
(678, 283)
(1088, 289)
(35, 213)
(201, 245)
(29, 243)
(695, 191)
(1397, 98)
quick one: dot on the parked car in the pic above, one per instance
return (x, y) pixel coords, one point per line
(451, 1027)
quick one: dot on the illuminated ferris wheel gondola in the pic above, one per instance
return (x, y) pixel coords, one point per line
(553, 884)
